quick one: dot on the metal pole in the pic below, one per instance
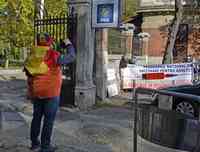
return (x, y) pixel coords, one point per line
(1, 119)
(135, 96)
(41, 9)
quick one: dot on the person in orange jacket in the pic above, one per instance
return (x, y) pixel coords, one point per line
(44, 92)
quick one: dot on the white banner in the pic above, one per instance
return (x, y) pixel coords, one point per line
(157, 76)
(152, 3)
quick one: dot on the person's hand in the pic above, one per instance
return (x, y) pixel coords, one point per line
(67, 41)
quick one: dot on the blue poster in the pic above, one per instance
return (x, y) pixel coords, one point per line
(105, 13)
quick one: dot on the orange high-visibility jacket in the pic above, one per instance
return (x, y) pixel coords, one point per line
(49, 84)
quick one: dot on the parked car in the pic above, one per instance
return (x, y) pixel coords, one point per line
(183, 105)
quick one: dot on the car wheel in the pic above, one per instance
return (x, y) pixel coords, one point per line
(186, 108)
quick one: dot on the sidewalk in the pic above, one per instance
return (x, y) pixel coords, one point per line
(102, 129)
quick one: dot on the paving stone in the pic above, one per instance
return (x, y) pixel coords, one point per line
(1, 145)
(12, 116)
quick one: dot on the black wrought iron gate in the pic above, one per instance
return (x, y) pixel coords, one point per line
(60, 28)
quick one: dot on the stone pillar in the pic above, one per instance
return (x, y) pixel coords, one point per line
(144, 38)
(1, 118)
(128, 38)
(24, 53)
(127, 35)
(101, 62)
(85, 90)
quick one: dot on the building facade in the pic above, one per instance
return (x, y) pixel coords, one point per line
(155, 16)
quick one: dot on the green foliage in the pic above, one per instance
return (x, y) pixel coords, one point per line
(129, 8)
(56, 7)
(16, 23)
(2, 6)
(16, 27)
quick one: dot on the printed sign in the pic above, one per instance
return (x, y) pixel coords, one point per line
(157, 76)
(105, 13)
(111, 75)
(112, 86)
(152, 3)
(113, 90)
(144, 3)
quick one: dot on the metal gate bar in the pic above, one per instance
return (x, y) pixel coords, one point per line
(161, 92)
(58, 27)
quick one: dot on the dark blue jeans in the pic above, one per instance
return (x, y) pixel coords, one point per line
(46, 108)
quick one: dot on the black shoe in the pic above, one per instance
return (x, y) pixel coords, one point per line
(35, 147)
(49, 149)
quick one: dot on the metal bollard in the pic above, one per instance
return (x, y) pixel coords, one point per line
(135, 141)
(1, 119)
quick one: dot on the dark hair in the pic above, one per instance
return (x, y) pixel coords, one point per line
(47, 38)
(45, 35)
(62, 44)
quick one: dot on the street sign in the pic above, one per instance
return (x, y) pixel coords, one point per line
(105, 13)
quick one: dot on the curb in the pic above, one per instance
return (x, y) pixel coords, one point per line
(10, 71)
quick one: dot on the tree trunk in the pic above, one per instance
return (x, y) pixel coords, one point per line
(168, 55)
(39, 8)
(6, 64)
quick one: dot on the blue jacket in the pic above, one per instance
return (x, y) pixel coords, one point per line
(67, 58)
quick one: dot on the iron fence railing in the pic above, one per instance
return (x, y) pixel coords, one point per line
(59, 27)
(1, 118)
(167, 128)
